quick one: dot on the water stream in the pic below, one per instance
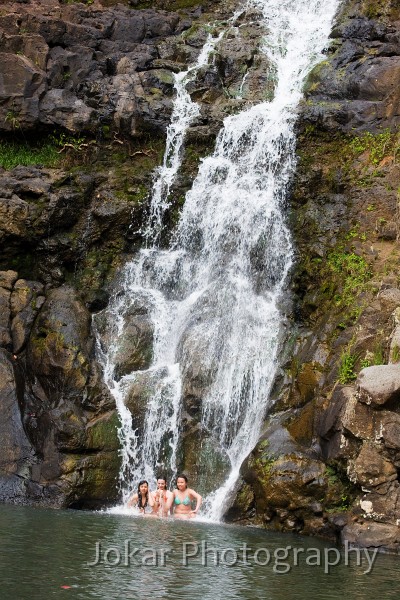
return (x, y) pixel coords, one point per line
(214, 295)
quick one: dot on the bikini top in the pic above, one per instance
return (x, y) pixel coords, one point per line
(185, 501)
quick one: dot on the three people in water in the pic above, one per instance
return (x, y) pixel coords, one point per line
(162, 502)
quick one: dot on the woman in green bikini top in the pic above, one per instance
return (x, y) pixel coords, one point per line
(183, 498)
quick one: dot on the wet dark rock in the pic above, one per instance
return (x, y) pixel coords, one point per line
(372, 535)
(355, 87)
(60, 345)
(371, 469)
(61, 68)
(135, 350)
(17, 451)
(204, 462)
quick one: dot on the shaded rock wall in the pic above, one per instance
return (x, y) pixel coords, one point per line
(65, 229)
(84, 68)
(85, 109)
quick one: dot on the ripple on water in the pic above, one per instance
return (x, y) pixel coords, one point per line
(43, 550)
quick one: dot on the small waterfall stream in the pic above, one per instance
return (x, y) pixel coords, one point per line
(213, 297)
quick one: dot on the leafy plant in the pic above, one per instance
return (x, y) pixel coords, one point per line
(331, 474)
(378, 355)
(377, 145)
(396, 353)
(355, 272)
(12, 117)
(365, 363)
(347, 365)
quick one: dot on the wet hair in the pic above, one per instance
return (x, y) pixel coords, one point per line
(146, 497)
(182, 477)
(163, 478)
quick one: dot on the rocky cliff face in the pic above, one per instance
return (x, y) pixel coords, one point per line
(85, 94)
(84, 108)
(83, 115)
(328, 461)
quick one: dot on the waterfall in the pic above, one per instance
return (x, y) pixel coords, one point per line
(214, 296)
(184, 112)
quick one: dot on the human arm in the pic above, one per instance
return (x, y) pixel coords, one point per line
(169, 501)
(132, 501)
(198, 499)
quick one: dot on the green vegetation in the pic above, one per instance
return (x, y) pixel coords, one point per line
(350, 363)
(341, 492)
(378, 9)
(346, 275)
(377, 145)
(347, 372)
(13, 154)
(356, 159)
(12, 117)
(378, 356)
(365, 363)
(49, 152)
(396, 354)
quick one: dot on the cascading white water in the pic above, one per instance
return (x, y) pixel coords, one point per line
(214, 295)
(184, 112)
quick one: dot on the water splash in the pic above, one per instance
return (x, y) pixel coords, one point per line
(214, 296)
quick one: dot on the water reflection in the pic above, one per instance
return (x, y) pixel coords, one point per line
(42, 550)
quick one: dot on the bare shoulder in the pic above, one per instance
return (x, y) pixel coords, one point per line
(134, 498)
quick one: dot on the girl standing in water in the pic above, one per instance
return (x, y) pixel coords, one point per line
(183, 498)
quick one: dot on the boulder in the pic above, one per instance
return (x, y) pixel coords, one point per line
(15, 445)
(60, 345)
(137, 391)
(390, 297)
(62, 68)
(379, 385)
(21, 86)
(26, 299)
(203, 460)
(17, 453)
(372, 535)
(7, 279)
(382, 507)
(63, 108)
(370, 469)
(390, 430)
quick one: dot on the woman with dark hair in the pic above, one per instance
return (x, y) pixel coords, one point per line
(143, 499)
(183, 498)
(162, 497)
